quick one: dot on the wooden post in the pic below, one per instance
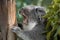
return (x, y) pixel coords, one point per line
(7, 19)
(11, 18)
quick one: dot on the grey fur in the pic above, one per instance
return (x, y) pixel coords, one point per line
(34, 14)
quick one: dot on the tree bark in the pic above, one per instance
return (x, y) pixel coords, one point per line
(7, 19)
(11, 18)
(3, 19)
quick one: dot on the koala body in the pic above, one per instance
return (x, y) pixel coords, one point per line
(35, 26)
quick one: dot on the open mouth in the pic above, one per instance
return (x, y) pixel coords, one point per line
(25, 19)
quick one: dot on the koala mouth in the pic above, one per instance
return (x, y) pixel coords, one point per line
(25, 20)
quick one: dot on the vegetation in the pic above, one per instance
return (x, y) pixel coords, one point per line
(52, 15)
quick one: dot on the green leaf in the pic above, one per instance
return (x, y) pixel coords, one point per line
(19, 18)
(58, 30)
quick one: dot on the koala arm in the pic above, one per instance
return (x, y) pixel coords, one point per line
(34, 34)
(21, 33)
(26, 35)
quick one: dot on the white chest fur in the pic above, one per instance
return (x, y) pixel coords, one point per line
(30, 26)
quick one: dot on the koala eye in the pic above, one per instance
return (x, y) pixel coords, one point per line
(40, 10)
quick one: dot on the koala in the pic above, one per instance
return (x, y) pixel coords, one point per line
(33, 25)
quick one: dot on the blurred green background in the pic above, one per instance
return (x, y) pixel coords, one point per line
(52, 15)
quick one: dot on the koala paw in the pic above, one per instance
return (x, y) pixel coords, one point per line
(16, 29)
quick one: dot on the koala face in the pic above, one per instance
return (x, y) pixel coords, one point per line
(32, 15)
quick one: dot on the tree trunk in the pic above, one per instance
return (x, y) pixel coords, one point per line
(7, 19)
(11, 18)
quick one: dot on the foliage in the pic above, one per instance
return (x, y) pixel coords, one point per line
(46, 2)
(19, 18)
(53, 24)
